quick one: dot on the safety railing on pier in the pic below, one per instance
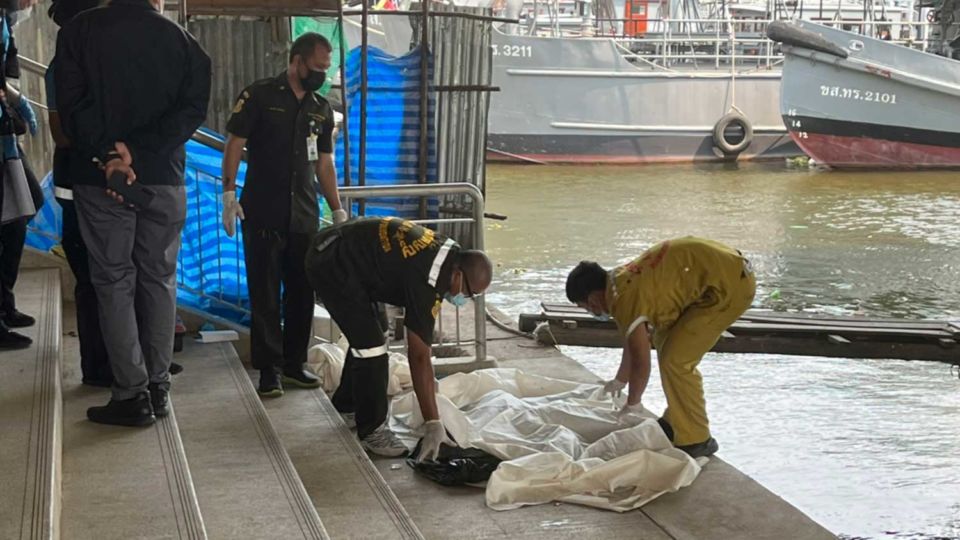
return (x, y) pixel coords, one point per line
(211, 276)
(349, 195)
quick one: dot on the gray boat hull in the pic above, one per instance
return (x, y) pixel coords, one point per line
(580, 101)
(876, 105)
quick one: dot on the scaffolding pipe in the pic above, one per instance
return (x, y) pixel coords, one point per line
(364, 28)
(424, 99)
(343, 97)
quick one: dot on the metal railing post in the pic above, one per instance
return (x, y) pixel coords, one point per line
(439, 190)
(480, 303)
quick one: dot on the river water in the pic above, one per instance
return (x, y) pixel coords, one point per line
(868, 448)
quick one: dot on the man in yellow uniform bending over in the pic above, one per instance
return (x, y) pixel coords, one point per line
(687, 292)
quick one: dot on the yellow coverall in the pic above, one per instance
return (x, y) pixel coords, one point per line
(690, 290)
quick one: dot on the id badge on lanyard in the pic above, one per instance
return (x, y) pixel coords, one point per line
(313, 154)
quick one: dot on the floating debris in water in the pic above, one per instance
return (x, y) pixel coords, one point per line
(801, 162)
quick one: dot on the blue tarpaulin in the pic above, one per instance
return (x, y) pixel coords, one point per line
(393, 128)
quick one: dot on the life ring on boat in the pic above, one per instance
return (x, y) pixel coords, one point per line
(735, 144)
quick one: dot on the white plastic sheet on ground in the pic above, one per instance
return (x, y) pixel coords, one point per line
(326, 360)
(560, 441)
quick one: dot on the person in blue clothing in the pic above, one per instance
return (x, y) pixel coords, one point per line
(16, 118)
(94, 362)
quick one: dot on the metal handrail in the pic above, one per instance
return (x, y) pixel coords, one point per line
(32, 65)
(351, 193)
(37, 68)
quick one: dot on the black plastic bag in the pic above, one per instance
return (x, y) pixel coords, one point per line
(456, 466)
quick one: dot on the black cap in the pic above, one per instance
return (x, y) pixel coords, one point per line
(587, 277)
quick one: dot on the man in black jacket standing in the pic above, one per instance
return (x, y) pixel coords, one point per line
(132, 86)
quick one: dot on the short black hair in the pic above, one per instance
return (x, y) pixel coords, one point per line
(62, 11)
(587, 277)
(306, 44)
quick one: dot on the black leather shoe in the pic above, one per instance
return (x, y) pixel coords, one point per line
(19, 320)
(160, 400)
(269, 384)
(300, 378)
(135, 412)
(10, 341)
(175, 368)
(705, 449)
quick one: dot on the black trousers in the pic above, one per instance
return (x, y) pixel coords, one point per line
(12, 237)
(94, 362)
(363, 385)
(278, 288)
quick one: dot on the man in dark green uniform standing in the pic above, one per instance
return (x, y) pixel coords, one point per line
(287, 129)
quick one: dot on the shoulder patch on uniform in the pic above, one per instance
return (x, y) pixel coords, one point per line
(240, 102)
(436, 307)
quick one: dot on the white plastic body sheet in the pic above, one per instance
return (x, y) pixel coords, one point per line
(560, 441)
(326, 361)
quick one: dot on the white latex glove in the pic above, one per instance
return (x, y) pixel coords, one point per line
(614, 388)
(628, 412)
(339, 216)
(434, 435)
(231, 211)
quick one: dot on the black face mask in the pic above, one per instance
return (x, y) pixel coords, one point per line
(314, 80)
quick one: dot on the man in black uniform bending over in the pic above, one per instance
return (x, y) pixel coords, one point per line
(355, 265)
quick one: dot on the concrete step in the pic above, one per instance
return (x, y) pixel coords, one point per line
(246, 484)
(30, 411)
(348, 491)
(122, 482)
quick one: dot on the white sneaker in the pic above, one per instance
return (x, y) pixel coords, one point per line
(350, 419)
(383, 442)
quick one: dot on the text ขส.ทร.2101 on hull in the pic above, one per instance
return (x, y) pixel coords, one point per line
(851, 101)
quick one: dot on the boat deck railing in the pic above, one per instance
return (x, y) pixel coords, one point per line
(718, 42)
(714, 43)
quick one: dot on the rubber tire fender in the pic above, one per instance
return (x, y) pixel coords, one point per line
(721, 126)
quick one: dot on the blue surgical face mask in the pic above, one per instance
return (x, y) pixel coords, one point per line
(603, 317)
(459, 300)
